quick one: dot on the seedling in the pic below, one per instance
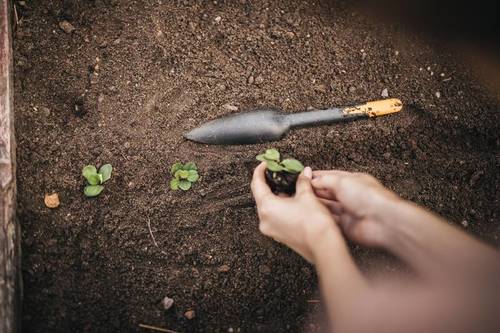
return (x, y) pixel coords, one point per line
(95, 179)
(185, 175)
(281, 175)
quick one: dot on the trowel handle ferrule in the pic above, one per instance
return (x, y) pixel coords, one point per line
(328, 116)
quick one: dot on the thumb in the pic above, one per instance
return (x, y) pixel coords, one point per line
(304, 181)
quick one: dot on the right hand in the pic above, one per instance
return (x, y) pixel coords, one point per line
(299, 221)
(357, 202)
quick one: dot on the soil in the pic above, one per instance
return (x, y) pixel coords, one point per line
(281, 182)
(133, 76)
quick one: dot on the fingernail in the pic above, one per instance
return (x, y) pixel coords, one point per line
(308, 172)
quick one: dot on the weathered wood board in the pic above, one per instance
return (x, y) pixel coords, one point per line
(10, 282)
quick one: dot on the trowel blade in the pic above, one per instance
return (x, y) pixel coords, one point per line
(243, 128)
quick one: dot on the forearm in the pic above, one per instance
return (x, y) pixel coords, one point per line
(429, 244)
(341, 282)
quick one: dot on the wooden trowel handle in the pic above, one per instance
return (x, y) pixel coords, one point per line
(376, 108)
(333, 115)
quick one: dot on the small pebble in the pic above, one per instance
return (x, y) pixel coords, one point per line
(190, 314)
(321, 88)
(264, 269)
(465, 223)
(167, 303)
(259, 80)
(52, 200)
(45, 111)
(385, 93)
(230, 107)
(223, 269)
(66, 27)
(250, 79)
(218, 19)
(438, 94)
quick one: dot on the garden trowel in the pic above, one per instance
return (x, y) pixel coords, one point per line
(265, 125)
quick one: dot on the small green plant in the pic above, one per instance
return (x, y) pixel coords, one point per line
(185, 175)
(272, 159)
(95, 179)
(281, 175)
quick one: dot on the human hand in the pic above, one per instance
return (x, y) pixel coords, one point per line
(297, 221)
(357, 202)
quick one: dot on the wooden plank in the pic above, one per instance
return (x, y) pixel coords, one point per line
(10, 282)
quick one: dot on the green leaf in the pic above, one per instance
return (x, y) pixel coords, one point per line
(94, 179)
(88, 172)
(105, 171)
(93, 190)
(190, 166)
(181, 174)
(274, 166)
(175, 167)
(184, 185)
(261, 157)
(292, 165)
(272, 155)
(174, 184)
(193, 176)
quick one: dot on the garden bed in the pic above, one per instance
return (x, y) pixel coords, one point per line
(133, 76)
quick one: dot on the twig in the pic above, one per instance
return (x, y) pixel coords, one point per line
(153, 237)
(154, 328)
(16, 16)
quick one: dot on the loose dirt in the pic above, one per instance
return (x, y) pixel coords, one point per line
(133, 76)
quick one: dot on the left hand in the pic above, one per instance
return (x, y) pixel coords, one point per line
(298, 221)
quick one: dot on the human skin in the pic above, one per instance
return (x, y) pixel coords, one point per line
(458, 279)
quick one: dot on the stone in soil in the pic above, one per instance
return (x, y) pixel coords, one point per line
(167, 303)
(223, 269)
(230, 107)
(52, 200)
(264, 269)
(189, 314)
(66, 27)
(385, 93)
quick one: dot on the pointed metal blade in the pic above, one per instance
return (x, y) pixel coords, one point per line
(242, 128)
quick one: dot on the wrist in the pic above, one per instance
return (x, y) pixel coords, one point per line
(323, 242)
(384, 213)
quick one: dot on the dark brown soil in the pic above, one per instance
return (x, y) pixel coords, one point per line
(155, 69)
(281, 182)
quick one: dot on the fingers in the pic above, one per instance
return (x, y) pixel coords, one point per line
(260, 189)
(334, 206)
(319, 173)
(326, 182)
(304, 182)
(324, 194)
